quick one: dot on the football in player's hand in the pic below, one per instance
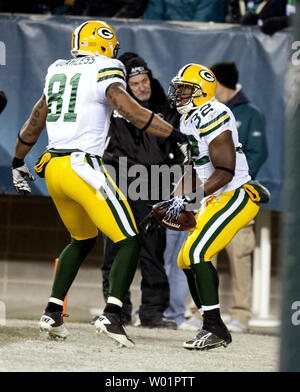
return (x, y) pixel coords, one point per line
(185, 221)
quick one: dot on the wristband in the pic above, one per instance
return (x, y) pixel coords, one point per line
(17, 163)
(225, 169)
(23, 142)
(148, 123)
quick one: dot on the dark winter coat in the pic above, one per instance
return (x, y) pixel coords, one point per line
(251, 129)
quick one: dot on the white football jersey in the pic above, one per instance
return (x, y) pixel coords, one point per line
(202, 126)
(79, 113)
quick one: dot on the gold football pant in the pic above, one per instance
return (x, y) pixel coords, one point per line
(85, 210)
(218, 220)
(82, 209)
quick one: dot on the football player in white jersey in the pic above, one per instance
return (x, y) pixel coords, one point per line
(229, 198)
(78, 99)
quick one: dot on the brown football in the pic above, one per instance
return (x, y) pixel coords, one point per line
(185, 221)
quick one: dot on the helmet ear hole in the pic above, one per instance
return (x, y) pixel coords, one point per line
(103, 49)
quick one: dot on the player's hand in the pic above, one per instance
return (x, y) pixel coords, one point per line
(20, 175)
(186, 150)
(176, 205)
(178, 137)
(183, 144)
(149, 224)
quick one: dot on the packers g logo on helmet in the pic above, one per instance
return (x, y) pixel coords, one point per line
(94, 38)
(207, 75)
(203, 83)
(104, 32)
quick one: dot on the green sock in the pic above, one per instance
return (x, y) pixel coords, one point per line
(69, 262)
(190, 276)
(207, 282)
(124, 267)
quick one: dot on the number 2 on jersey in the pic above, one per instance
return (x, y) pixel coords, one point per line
(57, 97)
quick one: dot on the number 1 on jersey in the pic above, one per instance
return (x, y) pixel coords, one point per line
(57, 97)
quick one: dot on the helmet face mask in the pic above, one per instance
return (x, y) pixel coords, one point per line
(181, 95)
(193, 86)
(94, 38)
(116, 50)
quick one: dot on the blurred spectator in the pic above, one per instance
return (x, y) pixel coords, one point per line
(30, 7)
(190, 10)
(3, 101)
(270, 15)
(64, 6)
(108, 9)
(252, 135)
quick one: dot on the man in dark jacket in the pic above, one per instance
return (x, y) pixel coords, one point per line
(126, 147)
(252, 134)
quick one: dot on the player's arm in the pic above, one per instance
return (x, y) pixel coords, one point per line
(27, 137)
(32, 128)
(223, 156)
(141, 118)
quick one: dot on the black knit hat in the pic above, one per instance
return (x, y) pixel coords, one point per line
(226, 73)
(134, 65)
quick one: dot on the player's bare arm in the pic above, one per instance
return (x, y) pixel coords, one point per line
(222, 155)
(127, 107)
(32, 128)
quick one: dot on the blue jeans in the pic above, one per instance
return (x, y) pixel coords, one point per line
(177, 281)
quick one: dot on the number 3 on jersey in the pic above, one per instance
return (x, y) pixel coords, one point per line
(56, 89)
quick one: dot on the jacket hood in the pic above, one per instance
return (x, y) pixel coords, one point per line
(239, 98)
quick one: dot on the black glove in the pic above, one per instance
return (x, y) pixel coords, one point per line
(149, 224)
(186, 150)
(178, 137)
(271, 25)
(183, 144)
(249, 19)
(3, 101)
(19, 173)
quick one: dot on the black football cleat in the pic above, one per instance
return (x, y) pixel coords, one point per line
(111, 324)
(52, 322)
(206, 340)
